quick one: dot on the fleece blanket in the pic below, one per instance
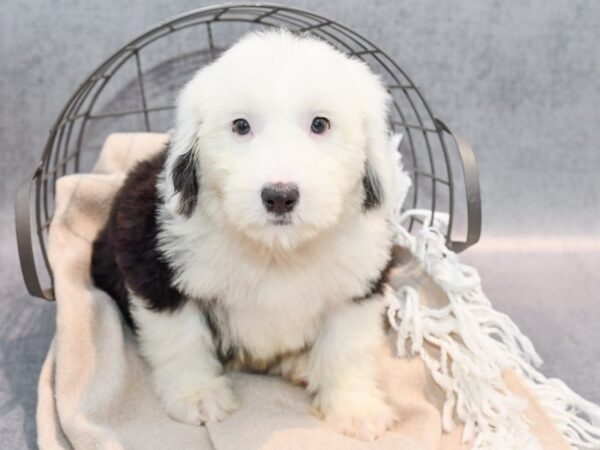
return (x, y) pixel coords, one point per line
(94, 389)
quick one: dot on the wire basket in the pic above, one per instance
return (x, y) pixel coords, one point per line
(134, 90)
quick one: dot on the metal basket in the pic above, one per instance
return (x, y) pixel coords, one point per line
(134, 90)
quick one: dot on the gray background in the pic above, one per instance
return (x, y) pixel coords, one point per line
(520, 80)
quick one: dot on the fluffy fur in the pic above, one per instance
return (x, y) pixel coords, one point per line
(213, 281)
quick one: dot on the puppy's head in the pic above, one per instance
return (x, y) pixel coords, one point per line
(281, 138)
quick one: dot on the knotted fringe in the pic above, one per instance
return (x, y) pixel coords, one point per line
(469, 345)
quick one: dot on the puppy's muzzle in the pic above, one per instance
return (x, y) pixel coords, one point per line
(280, 198)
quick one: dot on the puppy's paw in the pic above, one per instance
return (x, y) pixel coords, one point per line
(366, 427)
(366, 419)
(211, 401)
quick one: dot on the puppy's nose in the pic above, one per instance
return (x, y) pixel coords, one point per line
(280, 198)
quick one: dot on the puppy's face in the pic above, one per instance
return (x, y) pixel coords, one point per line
(282, 134)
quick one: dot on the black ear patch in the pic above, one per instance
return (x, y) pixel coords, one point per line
(185, 181)
(372, 188)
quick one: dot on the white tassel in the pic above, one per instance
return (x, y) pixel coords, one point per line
(476, 344)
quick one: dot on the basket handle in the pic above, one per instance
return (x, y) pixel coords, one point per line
(469, 165)
(24, 246)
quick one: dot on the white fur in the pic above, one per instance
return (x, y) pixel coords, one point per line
(185, 371)
(283, 288)
(343, 371)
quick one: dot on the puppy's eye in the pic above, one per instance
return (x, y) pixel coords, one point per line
(241, 126)
(320, 125)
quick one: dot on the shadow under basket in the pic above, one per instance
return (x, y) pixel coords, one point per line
(134, 90)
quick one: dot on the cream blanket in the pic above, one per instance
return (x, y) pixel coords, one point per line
(94, 391)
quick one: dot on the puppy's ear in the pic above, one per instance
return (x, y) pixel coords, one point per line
(378, 169)
(372, 188)
(185, 176)
(182, 171)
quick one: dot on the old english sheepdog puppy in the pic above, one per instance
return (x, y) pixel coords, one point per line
(260, 238)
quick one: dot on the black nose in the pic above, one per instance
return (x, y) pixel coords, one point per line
(280, 198)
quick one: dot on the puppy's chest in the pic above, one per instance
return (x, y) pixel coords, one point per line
(267, 313)
(263, 311)
(268, 307)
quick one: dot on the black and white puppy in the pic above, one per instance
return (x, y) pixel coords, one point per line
(260, 239)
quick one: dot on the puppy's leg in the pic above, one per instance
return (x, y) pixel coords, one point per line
(186, 373)
(344, 371)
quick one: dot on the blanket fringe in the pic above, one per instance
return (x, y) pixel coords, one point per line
(466, 345)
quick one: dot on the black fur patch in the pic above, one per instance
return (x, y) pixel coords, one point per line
(125, 253)
(185, 180)
(224, 353)
(372, 188)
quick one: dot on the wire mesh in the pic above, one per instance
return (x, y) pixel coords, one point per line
(135, 88)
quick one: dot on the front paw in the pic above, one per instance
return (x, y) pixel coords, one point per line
(210, 401)
(362, 417)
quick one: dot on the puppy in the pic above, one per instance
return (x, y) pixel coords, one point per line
(259, 239)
